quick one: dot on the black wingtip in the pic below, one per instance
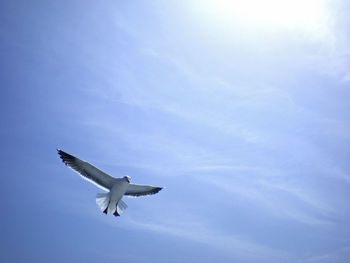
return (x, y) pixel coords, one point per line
(59, 151)
(66, 157)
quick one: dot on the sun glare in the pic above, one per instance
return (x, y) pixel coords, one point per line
(306, 14)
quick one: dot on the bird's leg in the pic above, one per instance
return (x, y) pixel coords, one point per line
(105, 211)
(116, 211)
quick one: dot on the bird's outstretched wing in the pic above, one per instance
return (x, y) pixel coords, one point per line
(87, 171)
(139, 190)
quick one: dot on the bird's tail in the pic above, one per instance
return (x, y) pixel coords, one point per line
(121, 206)
(102, 200)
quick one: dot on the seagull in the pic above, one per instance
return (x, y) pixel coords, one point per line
(111, 202)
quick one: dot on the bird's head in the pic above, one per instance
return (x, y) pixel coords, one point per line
(127, 178)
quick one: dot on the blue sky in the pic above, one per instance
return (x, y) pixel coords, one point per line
(241, 110)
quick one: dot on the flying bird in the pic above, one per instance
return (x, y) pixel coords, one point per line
(111, 202)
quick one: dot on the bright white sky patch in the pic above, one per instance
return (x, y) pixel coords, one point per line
(306, 15)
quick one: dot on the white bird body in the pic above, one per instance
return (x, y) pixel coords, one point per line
(111, 202)
(118, 190)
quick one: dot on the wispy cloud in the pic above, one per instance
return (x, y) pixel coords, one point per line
(261, 190)
(338, 256)
(234, 247)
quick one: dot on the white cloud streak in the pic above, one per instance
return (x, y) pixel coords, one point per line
(234, 247)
